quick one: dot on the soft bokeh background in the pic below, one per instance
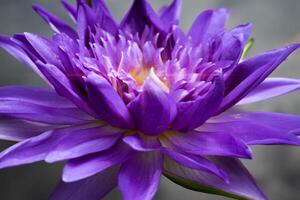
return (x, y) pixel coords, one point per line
(276, 22)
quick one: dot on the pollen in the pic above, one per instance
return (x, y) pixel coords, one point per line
(139, 75)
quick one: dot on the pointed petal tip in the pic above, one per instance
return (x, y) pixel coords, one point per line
(178, 3)
(248, 25)
(245, 151)
(69, 178)
(40, 10)
(36, 7)
(51, 157)
(249, 153)
(4, 38)
(290, 48)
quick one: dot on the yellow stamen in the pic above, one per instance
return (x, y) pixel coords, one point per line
(159, 82)
(139, 75)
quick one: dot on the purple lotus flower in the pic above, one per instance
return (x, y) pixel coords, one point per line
(139, 99)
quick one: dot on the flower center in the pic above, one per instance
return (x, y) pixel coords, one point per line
(142, 75)
(139, 75)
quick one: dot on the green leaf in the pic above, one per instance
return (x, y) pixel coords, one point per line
(191, 185)
(248, 47)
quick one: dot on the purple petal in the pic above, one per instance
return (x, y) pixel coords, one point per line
(28, 151)
(97, 15)
(56, 24)
(139, 177)
(250, 73)
(140, 15)
(45, 50)
(242, 32)
(82, 142)
(42, 114)
(92, 188)
(92, 164)
(44, 47)
(194, 113)
(207, 25)
(97, 3)
(39, 105)
(70, 9)
(257, 128)
(82, 27)
(64, 86)
(36, 148)
(271, 87)
(234, 41)
(107, 102)
(104, 19)
(209, 143)
(179, 35)
(170, 14)
(241, 185)
(88, 18)
(15, 50)
(154, 109)
(195, 162)
(142, 142)
(34, 95)
(18, 130)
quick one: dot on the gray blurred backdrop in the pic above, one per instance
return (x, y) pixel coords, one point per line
(276, 22)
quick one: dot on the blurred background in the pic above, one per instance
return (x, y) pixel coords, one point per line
(276, 23)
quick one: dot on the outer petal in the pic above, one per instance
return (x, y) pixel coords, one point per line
(34, 95)
(241, 185)
(195, 162)
(154, 109)
(142, 142)
(140, 15)
(82, 26)
(84, 141)
(257, 128)
(206, 143)
(139, 177)
(18, 130)
(88, 18)
(97, 3)
(47, 50)
(250, 73)
(89, 165)
(193, 114)
(97, 15)
(104, 19)
(106, 101)
(29, 151)
(234, 41)
(42, 114)
(70, 9)
(170, 14)
(37, 148)
(92, 188)
(207, 25)
(15, 50)
(64, 86)
(271, 87)
(39, 105)
(56, 24)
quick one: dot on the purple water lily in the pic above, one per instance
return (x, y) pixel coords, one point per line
(141, 99)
